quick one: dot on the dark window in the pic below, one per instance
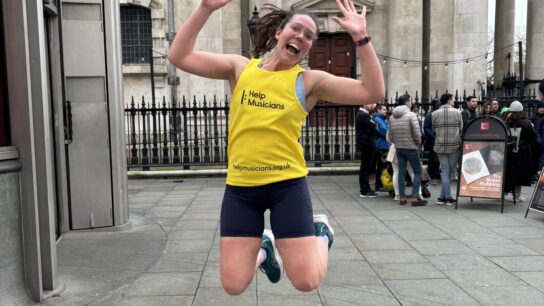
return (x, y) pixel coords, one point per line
(136, 34)
(4, 112)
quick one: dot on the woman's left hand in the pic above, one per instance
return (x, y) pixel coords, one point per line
(353, 23)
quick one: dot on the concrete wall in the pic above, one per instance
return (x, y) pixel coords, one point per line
(12, 285)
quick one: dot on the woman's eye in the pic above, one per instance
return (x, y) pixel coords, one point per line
(295, 28)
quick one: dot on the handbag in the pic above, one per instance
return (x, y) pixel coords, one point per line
(387, 180)
(391, 155)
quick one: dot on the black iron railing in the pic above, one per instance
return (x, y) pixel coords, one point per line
(195, 133)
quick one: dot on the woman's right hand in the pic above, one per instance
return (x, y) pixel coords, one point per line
(213, 5)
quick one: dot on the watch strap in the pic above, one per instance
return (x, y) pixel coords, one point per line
(361, 42)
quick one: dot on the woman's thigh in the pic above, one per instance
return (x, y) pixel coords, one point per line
(304, 261)
(238, 257)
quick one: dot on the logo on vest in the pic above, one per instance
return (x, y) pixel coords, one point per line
(258, 99)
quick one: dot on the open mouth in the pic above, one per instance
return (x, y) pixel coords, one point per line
(292, 48)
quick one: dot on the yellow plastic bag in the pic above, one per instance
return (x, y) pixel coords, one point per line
(387, 180)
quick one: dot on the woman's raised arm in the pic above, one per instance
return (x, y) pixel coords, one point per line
(205, 64)
(370, 88)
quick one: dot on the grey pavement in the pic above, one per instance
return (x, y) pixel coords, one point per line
(383, 253)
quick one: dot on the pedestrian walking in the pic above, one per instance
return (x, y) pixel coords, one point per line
(271, 98)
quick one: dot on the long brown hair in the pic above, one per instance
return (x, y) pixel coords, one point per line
(264, 37)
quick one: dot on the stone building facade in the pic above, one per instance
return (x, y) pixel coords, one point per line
(451, 57)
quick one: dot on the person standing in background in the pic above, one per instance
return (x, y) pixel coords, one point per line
(472, 110)
(382, 146)
(447, 126)
(405, 133)
(366, 132)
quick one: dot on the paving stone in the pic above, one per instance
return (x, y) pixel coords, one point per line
(429, 292)
(156, 300)
(440, 247)
(184, 283)
(500, 221)
(535, 279)
(365, 228)
(520, 263)
(395, 214)
(217, 296)
(374, 242)
(461, 262)
(483, 238)
(535, 244)
(410, 234)
(393, 256)
(507, 295)
(180, 262)
(356, 294)
(345, 254)
(188, 246)
(298, 300)
(388, 271)
(409, 224)
(519, 232)
(195, 225)
(347, 273)
(485, 278)
(207, 234)
(503, 250)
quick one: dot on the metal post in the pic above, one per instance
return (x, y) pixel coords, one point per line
(521, 77)
(152, 75)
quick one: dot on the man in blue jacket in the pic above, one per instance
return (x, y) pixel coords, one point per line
(382, 146)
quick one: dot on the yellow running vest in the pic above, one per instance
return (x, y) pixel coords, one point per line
(265, 124)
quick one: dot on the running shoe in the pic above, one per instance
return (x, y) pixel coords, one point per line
(273, 265)
(323, 228)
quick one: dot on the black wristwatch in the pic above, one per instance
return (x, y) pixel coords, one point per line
(363, 41)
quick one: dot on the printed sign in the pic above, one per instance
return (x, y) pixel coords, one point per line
(537, 201)
(482, 169)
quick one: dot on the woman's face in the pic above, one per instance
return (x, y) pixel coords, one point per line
(296, 38)
(487, 109)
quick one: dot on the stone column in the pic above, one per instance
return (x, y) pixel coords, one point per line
(469, 41)
(405, 28)
(442, 29)
(504, 36)
(534, 64)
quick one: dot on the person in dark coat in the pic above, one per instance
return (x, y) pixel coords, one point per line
(366, 131)
(472, 110)
(519, 152)
(538, 123)
(433, 166)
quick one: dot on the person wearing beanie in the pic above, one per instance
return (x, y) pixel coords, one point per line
(519, 152)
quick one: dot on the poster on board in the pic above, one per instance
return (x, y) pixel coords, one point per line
(482, 169)
(537, 200)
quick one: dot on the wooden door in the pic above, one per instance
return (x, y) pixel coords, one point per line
(336, 55)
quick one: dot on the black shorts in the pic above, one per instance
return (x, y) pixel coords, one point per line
(291, 213)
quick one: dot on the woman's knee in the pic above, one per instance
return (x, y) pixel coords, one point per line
(234, 286)
(307, 284)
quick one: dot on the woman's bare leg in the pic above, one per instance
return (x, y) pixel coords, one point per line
(237, 263)
(304, 260)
